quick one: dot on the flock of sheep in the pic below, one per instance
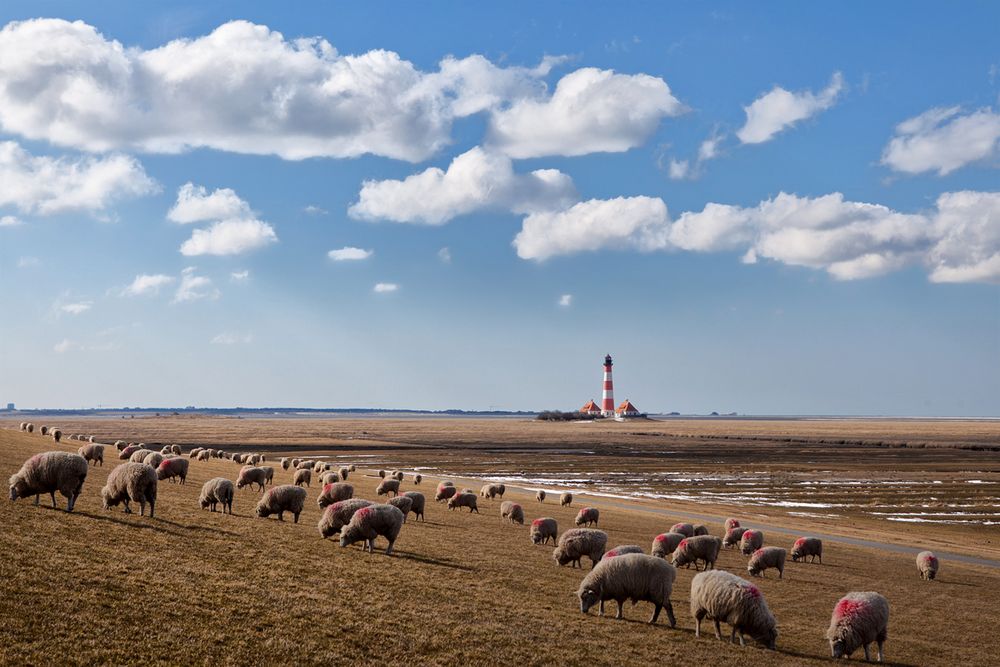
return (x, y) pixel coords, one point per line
(619, 574)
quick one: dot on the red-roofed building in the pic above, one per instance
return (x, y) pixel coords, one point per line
(591, 408)
(626, 409)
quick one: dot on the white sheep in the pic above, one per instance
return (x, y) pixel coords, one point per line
(204, 455)
(338, 515)
(173, 467)
(588, 516)
(576, 543)
(344, 471)
(634, 576)
(29, 427)
(216, 491)
(49, 472)
(751, 541)
(927, 564)
(808, 547)
(665, 544)
(403, 504)
(329, 478)
(131, 482)
(566, 499)
(284, 463)
(685, 529)
(387, 486)
(543, 529)
(621, 550)
(733, 537)
(176, 450)
(722, 596)
(445, 490)
(417, 478)
(858, 620)
(418, 504)
(464, 500)
(250, 475)
(765, 558)
(540, 495)
(334, 492)
(93, 453)
(281, 499)
(153, 459)
(56, 434)
(302, 476)
(512, 512)
(703, 548)
(371, 522)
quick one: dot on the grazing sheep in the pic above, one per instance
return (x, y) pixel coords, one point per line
(262, 458)
(858, 620)
(418, 504)
(334, 492)
(29, 427)
(302, 476)
(566, 499)
(174, 467)
(56, 434)
(444, 491)
(381, 473)
(512, 512)
(403, 504)
(576, 543)
(120, 445)
(176, 450)
(665, 544)
(165, 449)
(250, 475)
(216, 491)
(623, 549)
(93, 453)
(722, 596)
(700, 530)
(927, 564)
(131, 482)
(49, 472)
(587, 516)
(153, 459)
(447, 483)
(540, 495)
(281, 499)
(703, 548)
(284, 463)
(195, 452)
(294, 463)
(767, 557)
(733, 537)
(543, 530)
(464, 500)
(633, 576)
(685, 529)
(417, 478)
(353, 467)
(806, 547)
(238, 458)
(139, 455)
(319, 467)
(339, 514)
(24, 426)
(501, 489)
(205, 455)
(305, 464)
(387, 486)
(344, 471)
(751, 541)
(268, 474)
(371, 522)
(489, 491)
(398, 476)
(44, 430)
(127, 453)
(329, 478)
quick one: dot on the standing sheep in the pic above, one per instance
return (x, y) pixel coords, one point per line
(751, 541)
(49, 472)
(417, 478)
(171, 468)
(634, 576)
(587, 516)
(153, 459)
(858, 620)
(338, 515)
(806, 547)
(576, 543)
(44, 430)
(621, 550)
(489, 491)
(501, 489)
(418, 504)
(56, 434)
(302, 476)
(927, 564)
(305, 464)
(722, 596)
(131, 482)
(329, 478)
(268, 474)
(685, 529)
(281, 499)
(444, 491)
(371, 522)
(334, 493)
(92, 453)
(665, 544)
(703, 548)
(215, 492)
(345, 471)
(120, 445)
(512, 512)
(387, 486)
(381, 473)
(398, 476)
(24, 426)
(250, 475)
(29, 427)
(193, 454)
(294, 463)
(733, 537)
(464, 500)
(403, 504)
(566, 499)
(700, 529)
(176, 449)
(137, 454)
(284, 463)
(543, 530)
(540, 495)
(767, 557)
(353, 467)
(204, 455)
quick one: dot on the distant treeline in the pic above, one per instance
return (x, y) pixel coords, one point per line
(241, 411)
(560, 416)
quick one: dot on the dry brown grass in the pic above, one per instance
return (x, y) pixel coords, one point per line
(193, 587)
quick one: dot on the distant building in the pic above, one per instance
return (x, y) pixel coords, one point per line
(626, 409)
(591, 408)
(10, 406)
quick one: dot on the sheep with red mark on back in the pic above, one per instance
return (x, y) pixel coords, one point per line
(723, 597)
(858, 619)
(751, 541)
(766, 558)
(807, 547)
(338, 515)
(544, 529)
(927, 564)
(512, 512)
(588, 516)
(174, 467)
(704, 548)
(334, 493)
(371, 522)
(665, 544)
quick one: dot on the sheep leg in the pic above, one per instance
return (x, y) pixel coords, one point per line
(36, 500)
(781, 573)
(388, 549)
(670, 614)
(128, 510)
(718, 629)
(742, 642)
(732, 636)
(621, 609)
(880, 641)
(600, 609)
(867, 655)
(296, 517)
(281, 515)
(53, 494)
(656, 614)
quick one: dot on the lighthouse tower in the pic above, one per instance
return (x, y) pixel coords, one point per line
(608, 398)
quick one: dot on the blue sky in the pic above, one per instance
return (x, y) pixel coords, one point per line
(788, 209)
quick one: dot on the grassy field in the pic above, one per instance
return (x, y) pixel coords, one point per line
(193, 587)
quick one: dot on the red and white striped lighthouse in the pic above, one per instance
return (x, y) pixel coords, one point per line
(608, 398)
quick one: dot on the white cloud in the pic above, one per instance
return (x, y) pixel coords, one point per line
(382, 288)
(444, 254)
(590, 111)
(194, 287)
(943, 140)
(566, 300)
(146, 283)
(229, 237)
(240, 276)
(76, 308)
(639, 223)
(227, 338)
(967, 229)
(10, 221)
(349, 253)
(27, 262)
(779, 109)
(46, 185)
(709, 148)
(678, 169)
(65, 345)
(475, 180)
(195, 204)
(314, 210)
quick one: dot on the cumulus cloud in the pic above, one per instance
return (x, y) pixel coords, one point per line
(943, 140)
(444, 254)
(47, 185)
(566, 300)
(638, 223)
(76, 308)
(678, 170)
(967, 229)
(227, 338)
(240, 276)
(65, 345)
(247, 89)
(382, 288)
(475, 180)
(779, 109)
(196, 204)
(314, 210)
(590, 111)
(349, 253)
(229, 237)
(10, 221)
(194, 287)
(146, 283)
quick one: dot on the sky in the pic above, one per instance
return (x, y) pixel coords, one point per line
(789, 208)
